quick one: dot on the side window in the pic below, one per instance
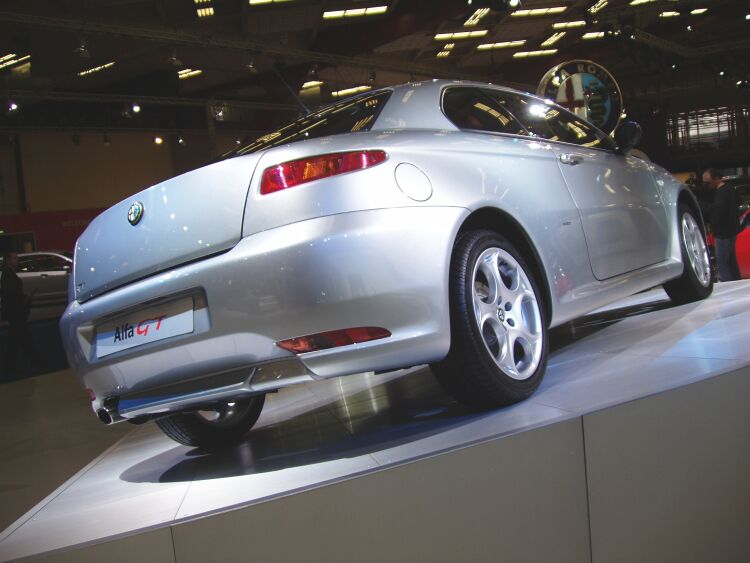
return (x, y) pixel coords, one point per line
(51, 263)
(552, 122)
(28, 264)
(469, 108)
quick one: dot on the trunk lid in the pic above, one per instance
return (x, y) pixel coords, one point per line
(185, 218)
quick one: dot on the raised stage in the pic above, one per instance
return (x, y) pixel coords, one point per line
(633, 449)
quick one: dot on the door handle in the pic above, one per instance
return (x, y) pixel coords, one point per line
(570, 158)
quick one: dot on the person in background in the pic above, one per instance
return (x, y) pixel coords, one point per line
(720, 208)
(15, 309)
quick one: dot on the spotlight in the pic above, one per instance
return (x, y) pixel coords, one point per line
(181, 141)
(12, 106)
(689, 28)
(238, 141)
(251, 67)
(721, 73)
(219, 113)
(313, 73)
(158, 140)
(136, 107)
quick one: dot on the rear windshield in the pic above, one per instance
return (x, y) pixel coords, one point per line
(346, 116)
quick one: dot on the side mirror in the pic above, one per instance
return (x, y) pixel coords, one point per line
(627, 135)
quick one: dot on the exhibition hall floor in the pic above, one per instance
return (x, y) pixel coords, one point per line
(335, 430)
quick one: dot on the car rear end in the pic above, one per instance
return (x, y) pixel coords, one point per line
(292, 262)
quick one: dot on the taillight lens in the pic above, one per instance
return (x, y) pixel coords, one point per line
(333, 339)
(296, 172)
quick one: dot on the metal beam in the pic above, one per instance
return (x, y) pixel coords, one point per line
(176, 38)
(152, 100)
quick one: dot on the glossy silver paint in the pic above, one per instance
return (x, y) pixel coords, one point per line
(359, 249)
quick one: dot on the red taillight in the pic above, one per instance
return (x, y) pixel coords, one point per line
(333, 339)
(296, 172)
(91, 394)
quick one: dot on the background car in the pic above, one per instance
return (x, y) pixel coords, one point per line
(45, 275)
(443, 223)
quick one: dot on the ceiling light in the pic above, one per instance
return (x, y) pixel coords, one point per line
(669, 14)
(476, 17)
(721, 73)
(461, 34)
(12, 106)
(598, 6)
(251, 67)
(181, 141)
(566, 25)
(188, 73)
(540, 53)
(7, 57)
(354, 12)
(554, 38)
(202, 1)
(593, 35)
(539, 11)
(261, 2)
(350, 91)
(158, 140)
(501, 45)
(639, 2)
(82, 50)
(449, 46)
(136, 107)
(12, 62)
(689, 27)
(698, 11)
(96, 69)
(205, 12)
(312, 84)
(443, 54)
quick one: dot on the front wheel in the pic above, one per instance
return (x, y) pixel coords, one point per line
(696, 281)
(221, 425)
(498, 351)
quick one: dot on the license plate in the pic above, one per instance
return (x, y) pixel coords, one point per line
(144, 326)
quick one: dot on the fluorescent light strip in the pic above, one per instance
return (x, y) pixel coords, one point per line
(443, 54)
(350, 91)
(202, 1)
(312, 84)
(566, 25)
(540, 53)
(593, 35)
(205, 12)
(7, 57)
(554, 38)
(698, 11)
(461, 35)
(14, 62)
(262, 2)
(449, 46)
(476, 17)
(188, 73)
(598, 7)
(96, 69)
(354, 12)
(539, 11)
(639, 2)
(669, 14)
(501, 45)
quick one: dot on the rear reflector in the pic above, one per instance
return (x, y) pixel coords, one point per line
(296, 172)
(333, 339)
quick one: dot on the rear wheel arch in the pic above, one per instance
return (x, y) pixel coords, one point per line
(687, 198)
(502, 223)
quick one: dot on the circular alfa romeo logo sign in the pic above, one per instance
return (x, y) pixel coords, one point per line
(587, 89)
(135, 213)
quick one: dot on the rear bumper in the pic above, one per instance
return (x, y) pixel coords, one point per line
(386, 268)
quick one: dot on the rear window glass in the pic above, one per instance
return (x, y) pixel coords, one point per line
(346, 116)
(469, 108)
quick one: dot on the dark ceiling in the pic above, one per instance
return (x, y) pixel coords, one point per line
(243, 50)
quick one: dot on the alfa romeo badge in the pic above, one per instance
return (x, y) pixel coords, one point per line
(587, 89)
(135, 213)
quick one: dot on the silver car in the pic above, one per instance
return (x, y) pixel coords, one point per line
(449, 223)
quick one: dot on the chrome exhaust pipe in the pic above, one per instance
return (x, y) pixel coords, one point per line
(104, 416)
(108, 414)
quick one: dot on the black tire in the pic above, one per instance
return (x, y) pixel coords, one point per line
(688, 287)
(470, 372)
(193, 429)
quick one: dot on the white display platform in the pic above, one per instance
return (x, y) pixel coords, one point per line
(148, 493)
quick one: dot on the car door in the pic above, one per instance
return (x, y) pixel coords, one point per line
(45, 276)
(622, 212)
